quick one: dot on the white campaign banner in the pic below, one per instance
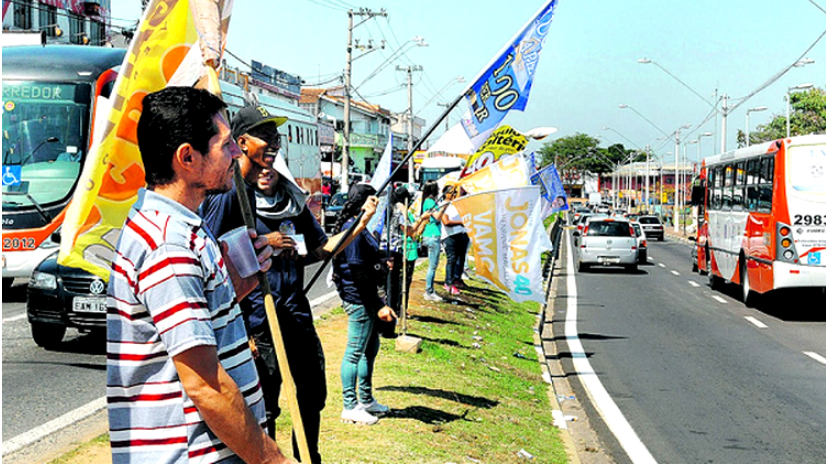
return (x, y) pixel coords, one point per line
(508, 238)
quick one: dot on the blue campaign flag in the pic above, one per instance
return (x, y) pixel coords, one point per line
(506, 83)
(551, 188)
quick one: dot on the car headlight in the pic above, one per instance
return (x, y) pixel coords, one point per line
(43, 281)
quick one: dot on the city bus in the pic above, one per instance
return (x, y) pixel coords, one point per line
(50, 96)
(762, 212)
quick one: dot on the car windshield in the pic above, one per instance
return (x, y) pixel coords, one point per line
(338, 199)
(649, 220)
(637, 229)
(609, 229)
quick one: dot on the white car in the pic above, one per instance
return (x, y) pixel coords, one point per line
(607, 242)
(642, 242)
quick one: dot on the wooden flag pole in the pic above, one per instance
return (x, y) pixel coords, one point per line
(275, 329)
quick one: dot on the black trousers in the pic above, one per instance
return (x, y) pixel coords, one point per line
(306, 359)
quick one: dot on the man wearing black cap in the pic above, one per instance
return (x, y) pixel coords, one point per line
(281, 216)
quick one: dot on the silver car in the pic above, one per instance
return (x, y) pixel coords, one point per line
(642, 242)
(607, 242)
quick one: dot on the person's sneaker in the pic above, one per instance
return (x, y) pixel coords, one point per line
(433, 297)
(454, 291)
(358, 416)
(375, 408)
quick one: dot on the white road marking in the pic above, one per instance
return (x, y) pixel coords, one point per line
(323, 299)
(661, 265)
(756, 322)
(14, 318)
(719, 299)
(49, 428)
(608, 409)
(693, 284)
(815, 356)
(675, 273)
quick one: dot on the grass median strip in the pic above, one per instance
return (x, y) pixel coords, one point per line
(473, 394)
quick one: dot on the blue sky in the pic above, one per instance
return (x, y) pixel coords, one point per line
(588, 66)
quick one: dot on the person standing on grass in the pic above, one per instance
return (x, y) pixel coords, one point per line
(282, 216)
(357, 274)
(402, 228)
(431, 237)
(456, 241)
(181, 382)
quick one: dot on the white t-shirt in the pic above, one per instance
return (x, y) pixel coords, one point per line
(452, 214)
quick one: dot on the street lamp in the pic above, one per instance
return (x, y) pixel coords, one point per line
(677, 176)
(624, 106)
(700, 143)
(788, 104)
(752, 110)
(803, 62)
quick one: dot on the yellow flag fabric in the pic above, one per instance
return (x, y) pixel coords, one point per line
(508, 238)
(505, 140)
(114, 171)
(508, 172)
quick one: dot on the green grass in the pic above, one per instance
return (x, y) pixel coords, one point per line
(453, 401)
(74, 455)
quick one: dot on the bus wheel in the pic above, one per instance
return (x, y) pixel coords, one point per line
(713, 280)
(745, 284)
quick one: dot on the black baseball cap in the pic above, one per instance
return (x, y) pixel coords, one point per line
(249, 117)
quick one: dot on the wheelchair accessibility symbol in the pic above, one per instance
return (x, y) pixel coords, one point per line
(814, 259)
(11, 175)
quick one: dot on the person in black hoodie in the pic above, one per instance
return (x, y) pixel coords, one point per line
(357, 274)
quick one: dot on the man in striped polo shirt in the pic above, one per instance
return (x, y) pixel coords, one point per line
(181, 383)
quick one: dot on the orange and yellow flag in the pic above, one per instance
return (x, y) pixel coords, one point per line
(163, 52)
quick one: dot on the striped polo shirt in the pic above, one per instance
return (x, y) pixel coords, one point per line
(169, 291)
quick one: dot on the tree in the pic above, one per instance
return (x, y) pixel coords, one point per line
(807, 115)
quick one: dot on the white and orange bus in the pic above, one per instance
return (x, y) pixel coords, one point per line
(762, 213)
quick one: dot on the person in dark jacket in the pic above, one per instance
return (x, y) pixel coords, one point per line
(357, 274)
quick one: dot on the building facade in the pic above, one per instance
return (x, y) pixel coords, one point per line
(61, 21)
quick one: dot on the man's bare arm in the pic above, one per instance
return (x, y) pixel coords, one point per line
(222, 406)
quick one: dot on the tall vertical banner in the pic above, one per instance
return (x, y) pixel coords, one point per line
(163, 52)
(508, 238)
(506, 83)
(553, 192)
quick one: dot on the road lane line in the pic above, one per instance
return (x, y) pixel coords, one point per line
(675, 273)
(14, 318)
(607, 408)
(693, 284)
(661, 265)
(49, 428)
(815, 356)
(719, 299)
(756, 322)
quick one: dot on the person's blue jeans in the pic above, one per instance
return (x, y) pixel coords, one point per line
(434, 249)
(359, 356)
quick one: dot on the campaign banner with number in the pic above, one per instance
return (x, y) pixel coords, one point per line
(505, 140)
(508, 238)
(553, 192)
(171, 46)
(506, 83)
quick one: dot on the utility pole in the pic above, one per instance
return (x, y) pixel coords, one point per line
(410, 70)
(677, 180)
(447, 120)
(647, 176)
(348, 74)
(724, 113)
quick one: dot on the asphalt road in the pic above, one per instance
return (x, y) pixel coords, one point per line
(699, 377)
(41, 385)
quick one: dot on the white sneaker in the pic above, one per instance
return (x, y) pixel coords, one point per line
(358, 416)
(375, 408)
(433, 297)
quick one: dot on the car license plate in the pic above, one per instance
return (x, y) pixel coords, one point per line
(89, 305)
(609, 260)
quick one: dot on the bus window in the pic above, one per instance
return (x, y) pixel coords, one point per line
(727, 187)
(739, 186)
(764, 202)
(753, 172)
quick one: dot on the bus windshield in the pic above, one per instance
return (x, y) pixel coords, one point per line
(45, 130)
(807, 169)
